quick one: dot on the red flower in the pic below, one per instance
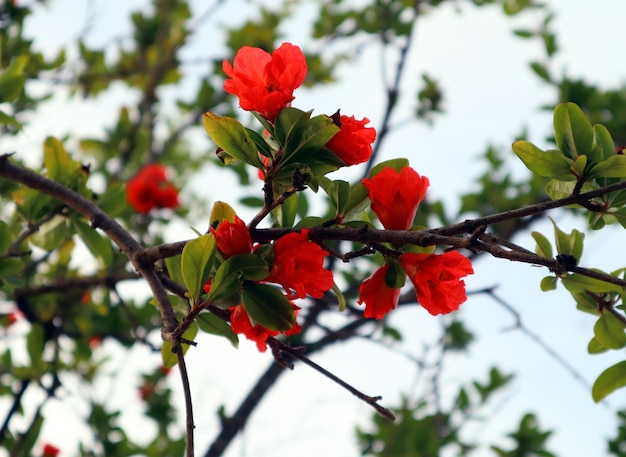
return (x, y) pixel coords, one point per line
(298, 266)
(232, 238)
(436, 278)
(265, 83)
(353, 142)
(150, 189)
(241, 324)
(396, 196)
(379, 298)
(50, 451)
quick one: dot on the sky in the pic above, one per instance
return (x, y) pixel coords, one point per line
(490, 96)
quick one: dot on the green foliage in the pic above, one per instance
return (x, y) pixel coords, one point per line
(528, 441)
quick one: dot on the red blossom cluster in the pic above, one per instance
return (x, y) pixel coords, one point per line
(150, 189)
(265, 83)
(395, 197)
(297, 265)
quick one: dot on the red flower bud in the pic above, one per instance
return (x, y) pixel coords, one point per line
(395, 196)
(232, 238)
(353, 142)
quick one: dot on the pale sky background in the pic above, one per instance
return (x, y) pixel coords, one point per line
(490, 95)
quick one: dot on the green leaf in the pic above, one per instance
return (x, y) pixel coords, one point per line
(233, 271)
(214, 325)
(221, 211)
(563, 245)
(168, 357)
(5, 237)
(562, 189)
(552, 164)
(12, 79)
(51, 234)
(97, 244)
(578, 283)
(358, 200)
(113, 200)
(572, 130)
(228, 134)
(267, 306)
(543, 248)
(602, 139)
(595, 347)
(541, 70)
(609, 381)
(174, 269)
(35, 343)
(306, 139)
(286, 121)
(548, 283)
(57, 161)
(396, 164)
(10, 267)
(613, 167)
(5, 119)
(610, 331)
(196, 261)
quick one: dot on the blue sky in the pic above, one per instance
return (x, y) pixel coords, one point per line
(490, 95)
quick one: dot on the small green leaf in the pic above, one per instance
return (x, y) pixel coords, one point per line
(548, 283)
(214, 325)
(396, 164)
(552, 164)
(233, 271)
(174, 270)
(602, 138)
(169, 359)
(307, 139)
(595, 347)
(572, 130)
(578, 283)
(228, 134)
(267, 306)
(5, 237)
(609, 381)
(358, 200)
(57, 161)
(51, 234)
(221, 211)
(543, 248)
(196, 261)
(113, 200)
(35, 342)
(578, 167)
(610, 331)
(562, 189)
(613, 167)
(563, 245)
(97, 244)
(541, 70)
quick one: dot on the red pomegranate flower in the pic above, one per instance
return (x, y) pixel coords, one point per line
(395, 196)
(378, 297)
(353, 142)
(241, 324)
(50, 451)
(265, 83)
(436, 278)
(298, 266)
(150, 189)
(232, 238)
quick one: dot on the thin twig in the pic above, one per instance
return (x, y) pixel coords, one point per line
(297, 353)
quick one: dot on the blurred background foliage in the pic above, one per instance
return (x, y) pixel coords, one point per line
(60, 312)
